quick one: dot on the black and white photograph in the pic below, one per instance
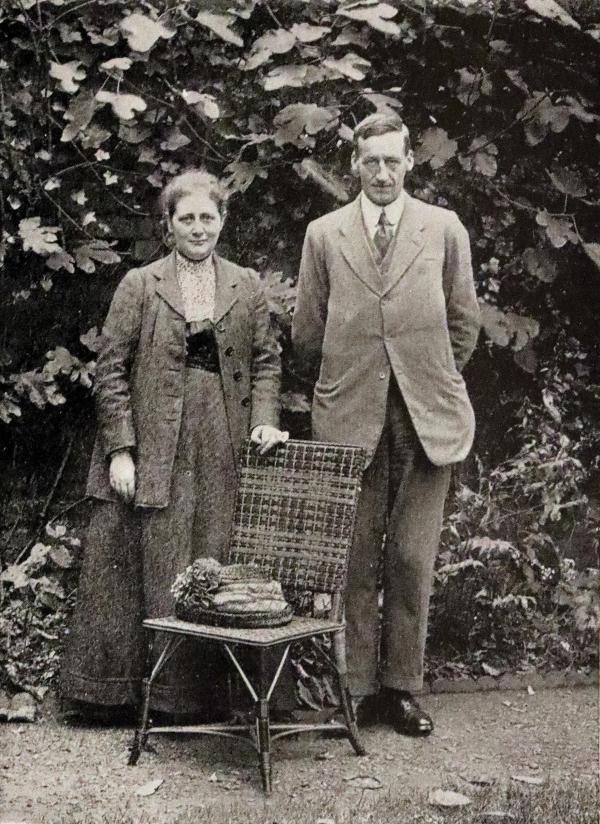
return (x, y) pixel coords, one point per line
(299, 411)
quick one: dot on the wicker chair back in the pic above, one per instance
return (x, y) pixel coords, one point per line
(295, 513)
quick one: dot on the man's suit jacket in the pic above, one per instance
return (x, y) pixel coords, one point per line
(141, 363)
(417, 321)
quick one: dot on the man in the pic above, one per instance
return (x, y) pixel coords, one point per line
(386, 312)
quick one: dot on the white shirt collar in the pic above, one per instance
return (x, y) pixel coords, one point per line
(371, 212)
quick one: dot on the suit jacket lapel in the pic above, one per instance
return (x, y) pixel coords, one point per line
(168, 285)
(356, 250)
(408, 243)
(226, 287)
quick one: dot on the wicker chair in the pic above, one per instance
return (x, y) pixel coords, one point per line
(294, 518)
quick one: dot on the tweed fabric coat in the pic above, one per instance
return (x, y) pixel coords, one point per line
(141, 365)
(416, 318)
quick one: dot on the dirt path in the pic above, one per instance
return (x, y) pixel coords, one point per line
(54, 773)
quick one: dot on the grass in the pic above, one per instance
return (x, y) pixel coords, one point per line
(572, 802)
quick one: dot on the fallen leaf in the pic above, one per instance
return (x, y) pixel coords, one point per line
(22, 708)
(489, 670)
(528, 779)
(324, 756)
(150, 788)
(447, 798)
(478, 780)
(364, 782)
(530, 690)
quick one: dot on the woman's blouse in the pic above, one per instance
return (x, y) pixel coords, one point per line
(197, 282)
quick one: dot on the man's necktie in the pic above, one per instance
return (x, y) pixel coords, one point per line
(383, 234)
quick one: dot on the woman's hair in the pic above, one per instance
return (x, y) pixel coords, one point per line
(188, 183)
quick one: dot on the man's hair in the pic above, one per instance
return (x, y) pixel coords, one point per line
(190, 182)
(377, 124)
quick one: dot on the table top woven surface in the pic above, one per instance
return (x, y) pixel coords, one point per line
(299, 627)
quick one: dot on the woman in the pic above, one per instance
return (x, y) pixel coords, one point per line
(188, 366)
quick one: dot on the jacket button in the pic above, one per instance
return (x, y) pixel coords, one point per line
(229, 351)
(220, 327)
(245, 401)
(237, 376)
(382, 376)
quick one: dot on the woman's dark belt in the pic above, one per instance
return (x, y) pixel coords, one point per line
(202, 351)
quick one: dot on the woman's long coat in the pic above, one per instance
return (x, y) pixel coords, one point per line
(140, 370)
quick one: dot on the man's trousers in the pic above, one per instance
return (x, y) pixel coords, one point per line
(402, 497)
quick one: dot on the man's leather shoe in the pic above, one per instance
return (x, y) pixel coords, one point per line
(402, 711)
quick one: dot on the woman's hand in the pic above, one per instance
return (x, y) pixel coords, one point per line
(122, 475)
(266, 437)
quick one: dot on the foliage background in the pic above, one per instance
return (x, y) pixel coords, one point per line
(101, 102)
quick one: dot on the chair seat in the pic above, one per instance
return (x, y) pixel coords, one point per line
(299, 627)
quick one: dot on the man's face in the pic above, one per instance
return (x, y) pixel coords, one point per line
(381, 163)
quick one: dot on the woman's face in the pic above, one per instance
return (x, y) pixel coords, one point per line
(196, 225)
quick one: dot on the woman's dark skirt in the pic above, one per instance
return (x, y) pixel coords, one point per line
(132, 557)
